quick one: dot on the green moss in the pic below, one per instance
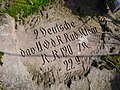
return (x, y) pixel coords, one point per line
(1, 55)
(108, 62)
(23, 8)
(111, 62)
(1, 10)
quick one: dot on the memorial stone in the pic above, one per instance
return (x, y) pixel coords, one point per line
(52, 50)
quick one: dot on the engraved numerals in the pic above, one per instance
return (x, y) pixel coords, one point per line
(69, 64)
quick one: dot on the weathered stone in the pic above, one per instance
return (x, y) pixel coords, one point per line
(49, 47)
(54, 51)
(13, 74)
(100, 79)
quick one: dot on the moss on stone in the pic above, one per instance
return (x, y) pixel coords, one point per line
(108, 62)
(22, 8)
(113, 61)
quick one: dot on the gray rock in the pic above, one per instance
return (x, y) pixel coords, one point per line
(19, 73)
(13, 74)
(100, 79)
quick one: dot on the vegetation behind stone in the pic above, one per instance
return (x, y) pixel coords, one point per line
(21, 8)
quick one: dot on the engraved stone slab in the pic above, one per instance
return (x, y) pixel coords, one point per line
(53, 48)
(50, 49)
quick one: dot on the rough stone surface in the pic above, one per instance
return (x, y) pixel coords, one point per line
(56, 61)
(100, 79)
(13, 74)
(96, 80)
(30, 72)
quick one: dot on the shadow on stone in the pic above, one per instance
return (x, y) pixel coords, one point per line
(92, 8)
(115, 84)
(87, 7)
(69, 83)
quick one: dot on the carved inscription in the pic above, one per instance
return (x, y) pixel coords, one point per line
(41, 46)
(61, 43)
